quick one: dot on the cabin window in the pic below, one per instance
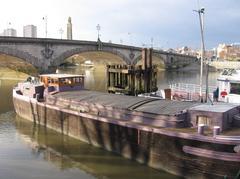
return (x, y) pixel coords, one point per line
(77, 80)
(49, 80)
(62, 80)
(55, 81)
(80, 80)
(235, 88)
(203, 120)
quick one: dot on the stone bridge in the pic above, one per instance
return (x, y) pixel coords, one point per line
(47, 54)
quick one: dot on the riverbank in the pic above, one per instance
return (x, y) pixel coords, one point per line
(17, 65)
(10, 74)
(220, 65)
(195, 67)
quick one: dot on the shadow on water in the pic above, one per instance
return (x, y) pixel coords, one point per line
(67, 153)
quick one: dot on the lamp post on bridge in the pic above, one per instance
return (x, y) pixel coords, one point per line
(98, 29)
(151, 42)
(45, 19)
(201, 15)
(61, 32)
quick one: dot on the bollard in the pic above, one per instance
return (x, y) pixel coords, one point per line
(216, 130)
(201, 129)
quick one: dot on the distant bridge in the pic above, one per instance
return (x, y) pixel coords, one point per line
(47, 54)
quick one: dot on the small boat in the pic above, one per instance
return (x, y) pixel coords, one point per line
(88, 63)
(229, 86)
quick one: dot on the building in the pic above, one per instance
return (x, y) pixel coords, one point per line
(186, 51)
(228, 52)
(10, 32)
(69, 29)
(30, 31)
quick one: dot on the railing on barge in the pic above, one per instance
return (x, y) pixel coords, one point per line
(186, 91)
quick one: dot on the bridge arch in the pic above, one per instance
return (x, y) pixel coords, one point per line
(25, 56)
(62, 57)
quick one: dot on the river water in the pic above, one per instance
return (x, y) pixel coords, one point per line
(34, 152)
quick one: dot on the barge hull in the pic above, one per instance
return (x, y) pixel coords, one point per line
(134, 141)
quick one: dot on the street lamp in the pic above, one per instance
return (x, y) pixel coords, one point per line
(61, 32)
(130, 38)
(201, 15)
(151, 42)
(98, 29)
(45, 19)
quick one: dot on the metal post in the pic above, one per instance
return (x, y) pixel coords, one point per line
(61, 32)
(200, 14)
(98, 29)
(45, 19)
(207, 91)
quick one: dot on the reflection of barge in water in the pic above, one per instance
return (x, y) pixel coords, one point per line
(159, 133)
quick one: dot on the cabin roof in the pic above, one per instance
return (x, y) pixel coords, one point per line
(61, 75)
(217, 107)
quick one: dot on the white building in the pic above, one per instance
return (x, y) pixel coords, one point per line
(30, 31)
(10, 32)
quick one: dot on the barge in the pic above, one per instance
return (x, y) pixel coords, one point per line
(184, 138)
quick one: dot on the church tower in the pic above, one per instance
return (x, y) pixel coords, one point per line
(69, 29)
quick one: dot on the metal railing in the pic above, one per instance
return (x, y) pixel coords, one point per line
(185, 91)
(190, 88)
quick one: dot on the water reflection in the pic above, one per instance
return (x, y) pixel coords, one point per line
(67, 153)
(95, 78)
(6, 94)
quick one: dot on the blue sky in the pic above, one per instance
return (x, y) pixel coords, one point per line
(171, 23)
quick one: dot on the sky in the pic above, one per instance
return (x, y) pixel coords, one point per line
(163, 23)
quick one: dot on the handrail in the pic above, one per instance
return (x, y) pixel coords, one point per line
(186, 87)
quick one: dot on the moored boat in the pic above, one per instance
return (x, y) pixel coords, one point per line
(160, 133)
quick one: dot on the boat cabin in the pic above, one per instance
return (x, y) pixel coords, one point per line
(229, 86)
(62, 82)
